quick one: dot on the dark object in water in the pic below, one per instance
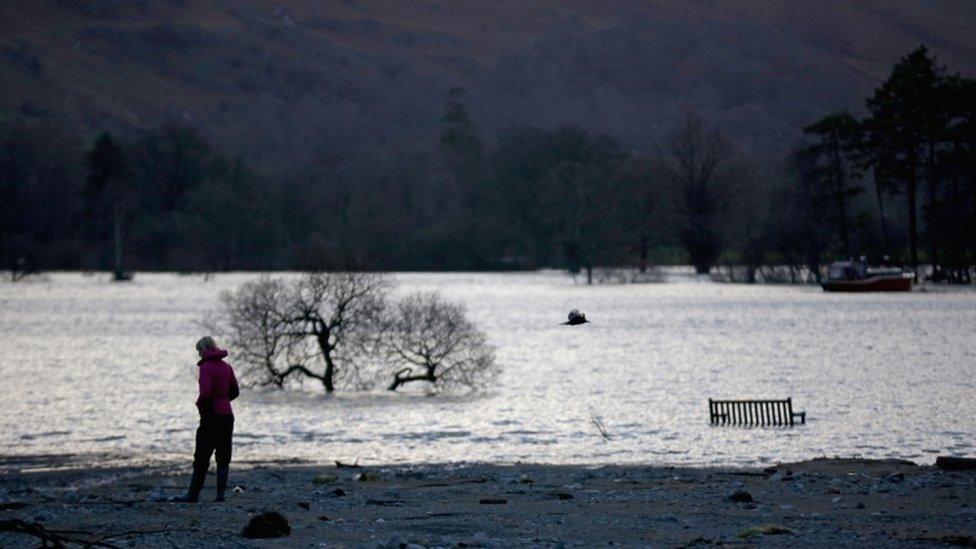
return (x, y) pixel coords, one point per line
(950, 463)
(856, 276)
(753, 412)
(270, 524)
(575, 318)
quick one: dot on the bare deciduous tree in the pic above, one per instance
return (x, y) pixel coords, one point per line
(256, 326)
(337, 328)
(640, 209)
(339, 314)
(699, 164)
(320, 326)
(430, 340)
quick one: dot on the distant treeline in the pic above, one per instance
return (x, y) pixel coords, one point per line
(897, 183)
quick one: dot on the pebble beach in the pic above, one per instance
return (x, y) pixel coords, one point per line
(822, 502)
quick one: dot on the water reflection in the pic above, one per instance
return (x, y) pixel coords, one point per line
(92, 367)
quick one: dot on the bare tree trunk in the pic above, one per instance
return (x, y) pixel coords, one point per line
(323, 339)
(881, 213)
(643, 246)
(933, 213)
(913, 218)
(327, 379)
(841, 206)
(117, 244)
(933, 223)
(399, 378)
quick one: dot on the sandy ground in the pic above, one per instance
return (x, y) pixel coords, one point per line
(824, 502)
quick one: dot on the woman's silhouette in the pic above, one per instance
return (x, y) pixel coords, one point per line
(218, 387)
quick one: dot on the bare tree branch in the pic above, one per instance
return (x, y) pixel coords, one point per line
(432, 341)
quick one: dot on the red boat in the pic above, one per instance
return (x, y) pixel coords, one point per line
(855, 276)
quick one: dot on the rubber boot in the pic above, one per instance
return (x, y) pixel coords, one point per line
(223, 471)
(192, 494)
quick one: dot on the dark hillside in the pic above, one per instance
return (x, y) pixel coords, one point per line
(296, 82)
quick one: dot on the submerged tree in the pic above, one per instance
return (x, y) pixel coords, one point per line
(338, 329)
(431, 341)
(319, 327)
(254, 320)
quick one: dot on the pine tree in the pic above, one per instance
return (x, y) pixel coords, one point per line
(461, 147)
(904, 126)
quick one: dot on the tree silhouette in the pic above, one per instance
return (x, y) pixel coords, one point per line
(641, 207)
(463, 198)
(460, 145)
(959, 98)
(697, 162)
(109, 195)
(903, 127)
(318, 327)
(431, 341)
(834, 158)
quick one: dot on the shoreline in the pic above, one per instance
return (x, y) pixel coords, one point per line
(836, 502)
(93, 462)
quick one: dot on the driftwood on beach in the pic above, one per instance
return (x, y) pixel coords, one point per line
(52, 538)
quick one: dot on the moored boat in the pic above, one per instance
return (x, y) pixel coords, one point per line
(855, 276)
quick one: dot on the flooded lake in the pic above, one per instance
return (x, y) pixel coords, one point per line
(92, 367)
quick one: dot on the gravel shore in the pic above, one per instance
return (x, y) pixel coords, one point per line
(823, 502)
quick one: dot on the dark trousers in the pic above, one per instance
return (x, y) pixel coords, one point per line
(214, 435)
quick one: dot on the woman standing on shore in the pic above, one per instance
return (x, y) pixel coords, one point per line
(218, 387)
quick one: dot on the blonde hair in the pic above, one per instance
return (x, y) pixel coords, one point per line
(206, 342)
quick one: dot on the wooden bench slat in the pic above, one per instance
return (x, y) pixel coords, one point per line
(754, 412)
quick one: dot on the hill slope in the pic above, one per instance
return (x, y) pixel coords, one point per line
(303, 81)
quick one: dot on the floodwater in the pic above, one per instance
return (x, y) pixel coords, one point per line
(107, 371)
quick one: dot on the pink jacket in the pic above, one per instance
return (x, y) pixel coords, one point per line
(218, 386)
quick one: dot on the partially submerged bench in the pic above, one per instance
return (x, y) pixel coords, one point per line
(753, 412)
